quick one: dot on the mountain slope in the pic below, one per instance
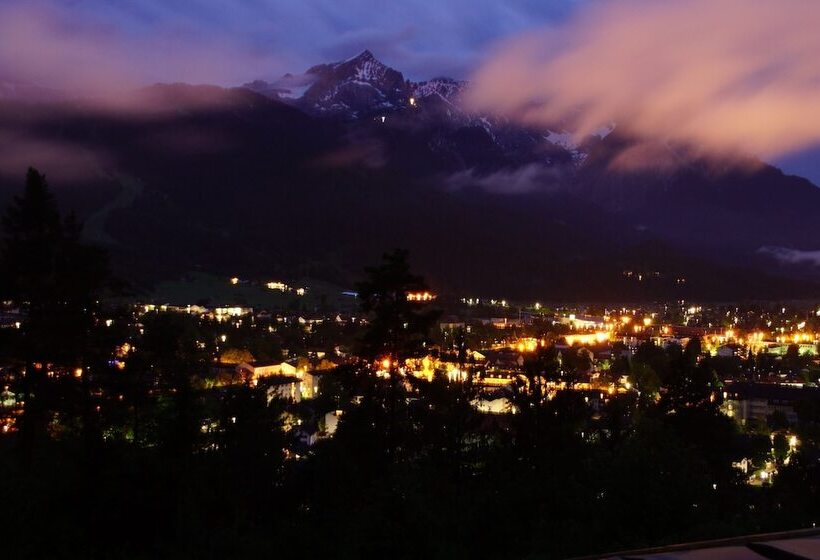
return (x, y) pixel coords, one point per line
(237, 183)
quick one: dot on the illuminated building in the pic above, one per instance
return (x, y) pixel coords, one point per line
(420, 296)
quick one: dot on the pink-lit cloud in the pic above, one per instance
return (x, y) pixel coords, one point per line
(724, 75)
(68, 161)
(41, 45)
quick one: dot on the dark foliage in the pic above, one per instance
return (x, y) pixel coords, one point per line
(172, 465)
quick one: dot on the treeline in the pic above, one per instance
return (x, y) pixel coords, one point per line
(149, 462)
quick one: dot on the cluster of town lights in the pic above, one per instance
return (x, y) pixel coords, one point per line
(420, 296)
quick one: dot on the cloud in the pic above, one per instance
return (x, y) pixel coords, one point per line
(49, 45)
(791, 256)
(59, 159)
(101, 43)
(518, 180)
(731, 76)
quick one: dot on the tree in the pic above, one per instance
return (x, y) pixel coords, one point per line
(793, 362)
(530, 398)
(780, 447)
(398, 327)
(645, 381)
(584, 360)
(692, 387)
(233, 356)
(169, 354)
(777, 421)
(693, 350)
(56, 280)
(656, 358)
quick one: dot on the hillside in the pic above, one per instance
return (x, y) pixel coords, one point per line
(233, 182)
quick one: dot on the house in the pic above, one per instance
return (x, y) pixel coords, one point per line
(731, 351)
(496, 401)
(309, 385)
(307, 378)
(757, 401)
(331, 422)
(583, 322)
(256, 370)
(804, 349)
(666, 341)
(505, 359)
(283, 387)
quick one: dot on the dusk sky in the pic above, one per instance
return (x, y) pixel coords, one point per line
(730, 74)
(268, 37)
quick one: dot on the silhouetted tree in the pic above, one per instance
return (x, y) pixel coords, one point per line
(777, 420)
(170, 352)
(793, 361)
(398, 327)
(644, 379)
(56, 280)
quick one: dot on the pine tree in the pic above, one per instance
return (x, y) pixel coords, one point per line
(398, 328)
(55, 280)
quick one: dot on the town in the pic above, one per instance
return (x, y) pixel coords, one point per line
(261, 408)
(418, 280)
(764, 356)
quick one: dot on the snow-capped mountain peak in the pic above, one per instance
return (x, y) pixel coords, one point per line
(354, 87)
(363, 66)
(364, 55)
(364, 87)
(445, 88)
(357, 86)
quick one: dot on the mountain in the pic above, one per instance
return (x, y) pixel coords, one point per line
(355, 87)
(317, 174)
(15, 90)
(350, 89)
(358, 87)
(738, 211)
(362, 87)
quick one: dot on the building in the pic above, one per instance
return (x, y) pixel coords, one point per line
(256, 370)
(757, 401)
(583, 322)
(283, 387)
(283, 379)
(732, 350)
